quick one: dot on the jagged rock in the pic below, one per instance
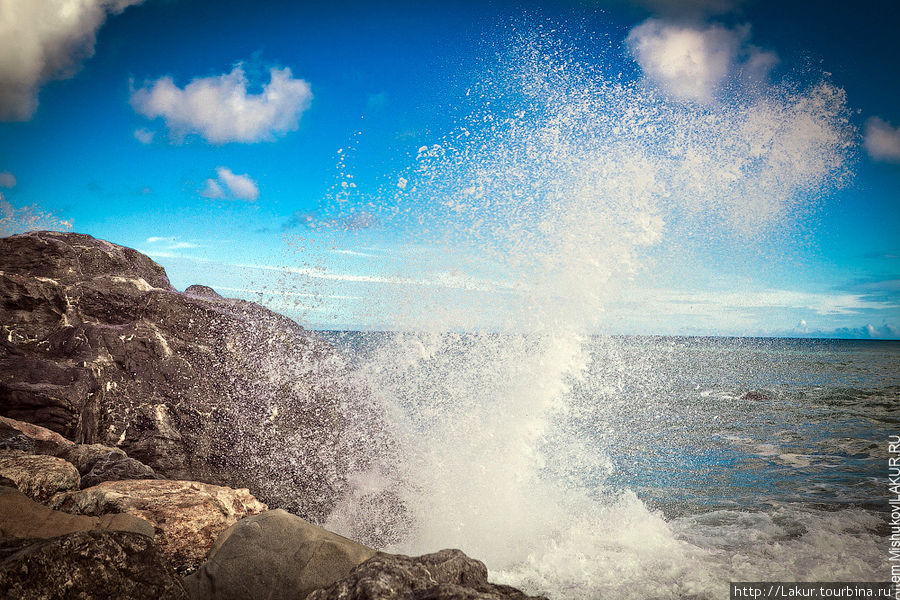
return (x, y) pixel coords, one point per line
(95, 463)
(274, 556)
(444, 575)
(96, 345)
(187, 515)
(88, 564)
(38, 476)
(98, 463)
(21, 517)
(30, 438)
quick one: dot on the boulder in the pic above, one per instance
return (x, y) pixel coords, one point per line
(95, 462)
(187, 515)
(96, 345)
(274, 556)
(21, 517)
(38, 476)
(98, 463)
(444, 575)
(87, 564)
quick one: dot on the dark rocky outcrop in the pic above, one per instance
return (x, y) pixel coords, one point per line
(274, 556)
(96, 345)
(187, 516)
(444, 575)
(87, 564)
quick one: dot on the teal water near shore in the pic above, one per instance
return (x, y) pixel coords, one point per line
(634, 467)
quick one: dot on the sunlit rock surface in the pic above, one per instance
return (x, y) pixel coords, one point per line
(97, 345)
(187, 515)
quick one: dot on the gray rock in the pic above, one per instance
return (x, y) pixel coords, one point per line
(96, 345)
(444, 575)
(87, 564)
(274, 556)
(38, 476)
(21, 517)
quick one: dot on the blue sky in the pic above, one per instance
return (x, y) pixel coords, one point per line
(706, 167)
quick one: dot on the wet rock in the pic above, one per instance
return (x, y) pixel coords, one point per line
(96, 345)
(21, 517)
(444, 575)
(274, 556)
(88, 564)
(38, 476)
(98, 463)
(755, 396)
(187, 515)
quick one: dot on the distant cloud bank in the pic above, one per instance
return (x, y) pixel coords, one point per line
(221, 110)
(45, 40)
(882, 140)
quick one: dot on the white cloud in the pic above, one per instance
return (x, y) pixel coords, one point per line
(882, 140)
(230, 185)
(171, 243)
(44, 40)
(693, 62)
(144, 136)
(7, 179)
(220, 109)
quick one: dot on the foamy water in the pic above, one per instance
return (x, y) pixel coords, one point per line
(525, 449)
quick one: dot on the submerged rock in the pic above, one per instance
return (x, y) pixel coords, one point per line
(21, 517)
(96, 345)
(187, 515)
(38, 476)
(444, 575)
(274, 556)
(87, 564)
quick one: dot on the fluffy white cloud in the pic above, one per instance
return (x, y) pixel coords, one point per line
(144, 136)
(882, 141)
(43, 40)
(693, 62)
(230, 185)
(221, 110)
(7, 179)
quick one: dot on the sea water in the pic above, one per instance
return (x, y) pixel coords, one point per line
(660, 467)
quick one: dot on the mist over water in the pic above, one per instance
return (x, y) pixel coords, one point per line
(537, 212)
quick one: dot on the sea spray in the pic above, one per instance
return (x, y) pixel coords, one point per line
(530, 222)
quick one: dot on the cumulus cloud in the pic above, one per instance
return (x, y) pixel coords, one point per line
(882, 140)
(7, 179)
(44, 40)
(220, 108)
(230, 185)
(144, 136)
(692, 63)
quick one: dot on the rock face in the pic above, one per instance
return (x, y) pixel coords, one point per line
(95, 463)
(38, 476)
(444, 575)
(21, 517)
(88, 564)
(96, 345)
(187, 516)
(274, 556)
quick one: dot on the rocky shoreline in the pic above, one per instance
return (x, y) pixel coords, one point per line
(166, 444)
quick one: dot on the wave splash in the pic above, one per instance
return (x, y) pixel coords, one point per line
(542, 205)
